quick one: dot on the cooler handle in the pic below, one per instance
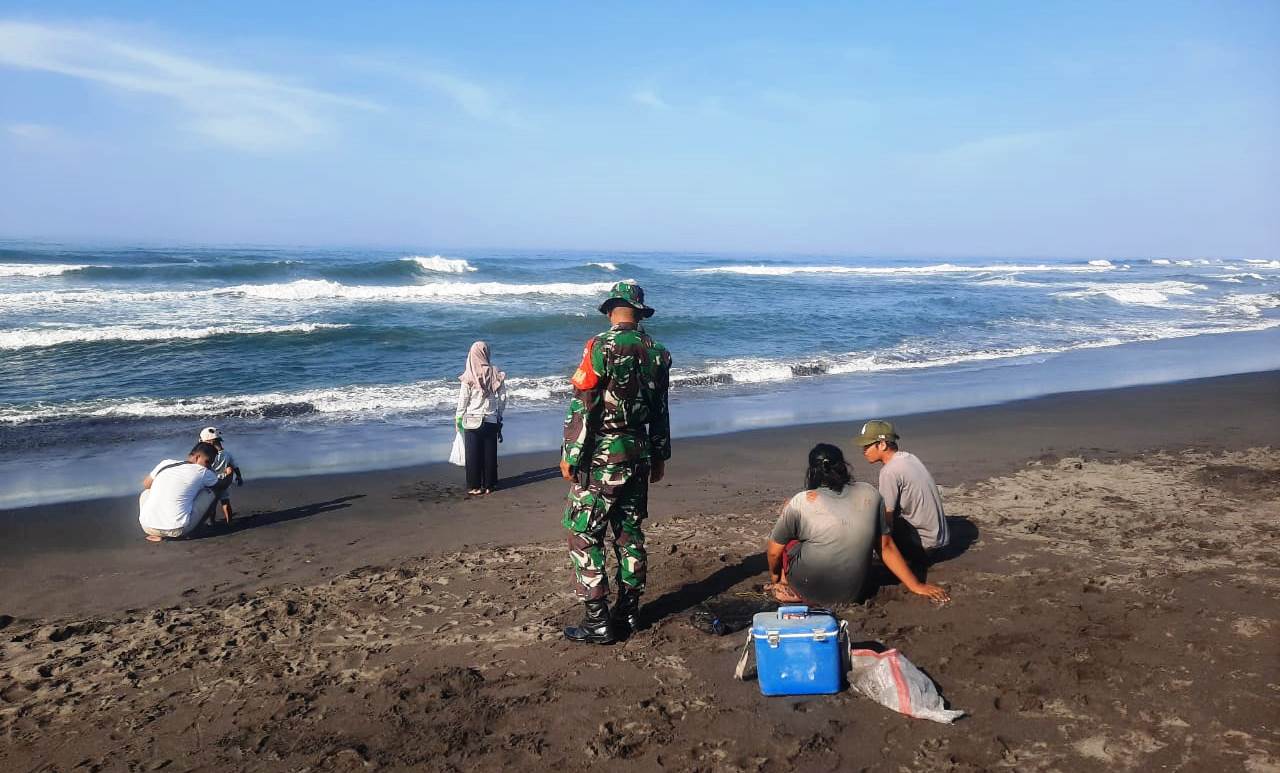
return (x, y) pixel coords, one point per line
(792, 612)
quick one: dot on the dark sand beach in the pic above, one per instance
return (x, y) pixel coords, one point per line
(1114, 608)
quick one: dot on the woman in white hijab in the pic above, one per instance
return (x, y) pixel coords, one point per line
(481, 401)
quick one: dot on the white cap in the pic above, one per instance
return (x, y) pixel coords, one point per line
(210, 434)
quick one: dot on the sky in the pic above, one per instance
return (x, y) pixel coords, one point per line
(881, 129)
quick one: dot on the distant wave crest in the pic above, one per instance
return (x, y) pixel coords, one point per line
(309, 289)
(440, 264)
(942, 268)
(38, 269)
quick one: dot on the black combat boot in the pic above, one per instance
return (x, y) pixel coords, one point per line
(626, 615)
(596, 626)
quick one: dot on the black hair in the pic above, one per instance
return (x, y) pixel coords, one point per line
(827, 469)
(204, 448)
(892, 444)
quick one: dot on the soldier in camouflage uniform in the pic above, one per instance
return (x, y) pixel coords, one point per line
(617, 439)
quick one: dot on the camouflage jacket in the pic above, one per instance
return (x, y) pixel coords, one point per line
(619, 405)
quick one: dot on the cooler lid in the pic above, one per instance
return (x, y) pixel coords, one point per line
(793, 620)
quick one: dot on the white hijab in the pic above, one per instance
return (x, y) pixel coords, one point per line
(480, 373)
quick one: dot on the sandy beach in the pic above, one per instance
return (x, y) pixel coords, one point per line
(1114, 608)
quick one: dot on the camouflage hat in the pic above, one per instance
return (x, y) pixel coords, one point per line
(874, 431)
(630, 293)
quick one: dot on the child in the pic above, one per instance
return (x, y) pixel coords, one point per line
(223, 462)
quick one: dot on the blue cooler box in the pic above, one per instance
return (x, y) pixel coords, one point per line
(797, 651)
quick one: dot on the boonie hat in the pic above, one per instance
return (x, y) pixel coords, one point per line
(874, 431)
(630, 293)
(210, 434)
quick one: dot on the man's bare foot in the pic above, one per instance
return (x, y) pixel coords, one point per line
(154, 538)
(784, 592)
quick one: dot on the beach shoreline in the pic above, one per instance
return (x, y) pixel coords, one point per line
(51, 463)
(88, 557)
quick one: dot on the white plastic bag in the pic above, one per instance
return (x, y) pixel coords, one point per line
(458, 455)
(889, 679)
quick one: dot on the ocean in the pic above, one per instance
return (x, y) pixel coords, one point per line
(314, 360)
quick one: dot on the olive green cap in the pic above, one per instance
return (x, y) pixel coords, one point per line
(874, 431)
(630, 293)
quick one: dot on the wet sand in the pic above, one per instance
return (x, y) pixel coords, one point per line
(1114, 608)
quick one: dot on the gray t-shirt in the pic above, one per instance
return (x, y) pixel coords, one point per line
(836, 533)
(910, 493)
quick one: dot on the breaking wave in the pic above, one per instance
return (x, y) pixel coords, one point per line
(1149, 294)
(38, 269)
(309, 290)
(436, 398)
(37, 338)
(942, 268)
(440, 264)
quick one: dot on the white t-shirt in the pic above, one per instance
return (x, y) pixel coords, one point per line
(173, 492)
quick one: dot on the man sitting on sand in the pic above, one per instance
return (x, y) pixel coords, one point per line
(912, 501)
(821, 547)
(179, 496)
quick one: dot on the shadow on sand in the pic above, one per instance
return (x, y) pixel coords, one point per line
(963, 533)
(525, 478)
(242, 523)
(693, 594)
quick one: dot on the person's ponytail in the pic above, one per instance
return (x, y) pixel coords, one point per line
(827, 469)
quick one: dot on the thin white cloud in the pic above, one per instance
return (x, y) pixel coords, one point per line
(994, 147)
(33, 132)
(649, 98)
(236, 107)
(42, 137)
(473, 98)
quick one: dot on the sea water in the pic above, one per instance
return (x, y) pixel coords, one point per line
(315, 360)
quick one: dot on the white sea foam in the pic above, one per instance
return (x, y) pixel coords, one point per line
(36, 338)
(1251, 305)
(308, 290)
(942, 268)
(1263, 263)
(1239, 276)
(1008, 281)
(311, 289)
(1101, 263)
(1149, 294)
(38, 269)
(749, 370)
(605, 265)
(374, 400)
(440, 264)
(1161, 262)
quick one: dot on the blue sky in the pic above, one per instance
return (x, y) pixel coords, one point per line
(895, 129)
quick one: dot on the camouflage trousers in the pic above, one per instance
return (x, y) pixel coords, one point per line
(614, 501)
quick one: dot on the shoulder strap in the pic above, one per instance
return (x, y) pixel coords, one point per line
(168, 467)
(742, 672)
